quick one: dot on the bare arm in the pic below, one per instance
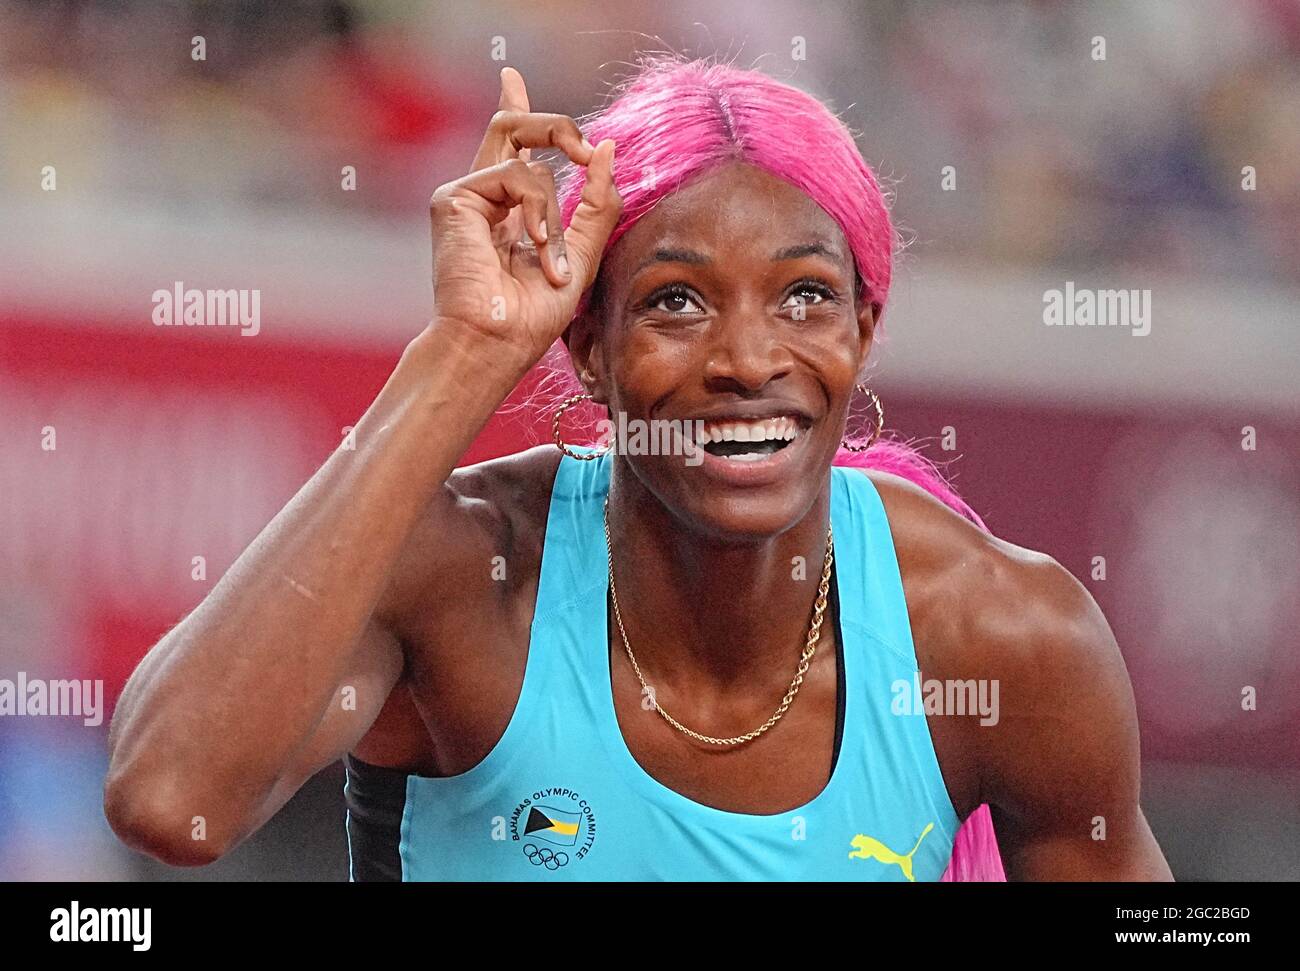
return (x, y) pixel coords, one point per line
(1061, 768)
(228, 700)
(237, 705)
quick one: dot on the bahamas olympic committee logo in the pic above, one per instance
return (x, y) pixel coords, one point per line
(555, 827)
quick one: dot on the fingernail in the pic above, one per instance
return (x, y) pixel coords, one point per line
(543, 232)
(562, 264)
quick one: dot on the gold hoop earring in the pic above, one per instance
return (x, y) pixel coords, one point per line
(879, 425)
(565, 405)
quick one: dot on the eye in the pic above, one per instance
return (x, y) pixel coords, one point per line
(677, 298)
(803, 292)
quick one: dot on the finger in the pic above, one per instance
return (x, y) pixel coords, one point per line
(555, 263)
(493, 193)
(511, 131)
(514, 97)
(514, 93)
(596, 216)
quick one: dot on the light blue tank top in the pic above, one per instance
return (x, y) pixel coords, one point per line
(560, 796)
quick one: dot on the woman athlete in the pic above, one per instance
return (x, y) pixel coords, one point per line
(709, 661)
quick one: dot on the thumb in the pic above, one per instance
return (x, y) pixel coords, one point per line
(596, 216)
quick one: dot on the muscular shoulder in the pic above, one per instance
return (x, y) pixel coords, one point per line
(493, 508)
(514, 490)
(987, 609)
(970, 590)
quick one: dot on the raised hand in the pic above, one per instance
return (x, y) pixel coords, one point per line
(505, 272)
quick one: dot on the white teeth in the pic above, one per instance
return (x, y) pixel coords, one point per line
(771, 429)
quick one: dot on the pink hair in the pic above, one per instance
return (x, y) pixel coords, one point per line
(677, 119)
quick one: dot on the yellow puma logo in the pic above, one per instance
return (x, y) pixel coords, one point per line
(866, 848)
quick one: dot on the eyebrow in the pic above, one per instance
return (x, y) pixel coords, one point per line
(818, 248)
(673, 256)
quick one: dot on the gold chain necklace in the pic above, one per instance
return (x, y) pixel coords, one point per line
(814, 634)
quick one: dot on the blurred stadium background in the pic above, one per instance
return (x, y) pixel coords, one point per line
(1082, 442)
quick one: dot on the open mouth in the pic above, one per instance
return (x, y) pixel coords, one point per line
(749, 441)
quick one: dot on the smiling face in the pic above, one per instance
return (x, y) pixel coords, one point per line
(732, 303)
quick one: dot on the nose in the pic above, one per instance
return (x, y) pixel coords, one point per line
(745, 352)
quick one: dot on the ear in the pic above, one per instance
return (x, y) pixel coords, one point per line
(583, 338)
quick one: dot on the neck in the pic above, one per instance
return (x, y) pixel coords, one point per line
(705, 614)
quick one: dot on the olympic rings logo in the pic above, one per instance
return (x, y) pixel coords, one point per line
(543, 856)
